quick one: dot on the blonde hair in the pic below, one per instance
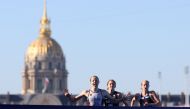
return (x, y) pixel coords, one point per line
(147, 82)
(94, 76)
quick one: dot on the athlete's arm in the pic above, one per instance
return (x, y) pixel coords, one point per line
(82, 94)
(133, 101)
(155, 99)
(75, 98)
(124, 99)
(135, 98)
(106, 94)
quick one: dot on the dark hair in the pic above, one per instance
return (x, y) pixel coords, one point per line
(112, 81)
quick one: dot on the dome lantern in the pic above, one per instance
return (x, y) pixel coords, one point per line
(45, 30)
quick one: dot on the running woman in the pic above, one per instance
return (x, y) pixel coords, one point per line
(146, 97)
(111, 85)
(94, 95)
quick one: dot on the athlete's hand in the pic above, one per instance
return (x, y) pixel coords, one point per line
(66, 92)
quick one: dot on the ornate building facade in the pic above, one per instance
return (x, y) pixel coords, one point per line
(44, 66)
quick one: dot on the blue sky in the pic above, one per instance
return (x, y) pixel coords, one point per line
(125, 40)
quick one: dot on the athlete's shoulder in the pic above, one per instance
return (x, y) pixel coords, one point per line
(102, 90)
(137, 94)
(152, 92)
(117, 93)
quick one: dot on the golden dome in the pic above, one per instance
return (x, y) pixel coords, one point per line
(43, 47)
(44, 59)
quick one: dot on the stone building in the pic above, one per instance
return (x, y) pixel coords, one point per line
(44, 69)
(44, 76)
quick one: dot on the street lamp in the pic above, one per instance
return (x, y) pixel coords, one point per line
(187, 85)
(160, 84)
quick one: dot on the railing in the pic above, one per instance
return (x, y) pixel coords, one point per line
(78, 107)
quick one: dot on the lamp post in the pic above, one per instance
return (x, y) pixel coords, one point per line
(187, 85)
(160, 85)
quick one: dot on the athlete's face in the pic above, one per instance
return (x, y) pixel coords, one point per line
(94, 81)
(111, 85)
(145, 85)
